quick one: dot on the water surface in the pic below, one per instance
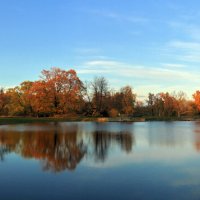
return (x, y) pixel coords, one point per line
(88, 160)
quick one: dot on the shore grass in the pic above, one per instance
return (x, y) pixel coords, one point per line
(20, 120)
(182, 118)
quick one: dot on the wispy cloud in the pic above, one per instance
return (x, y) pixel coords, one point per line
(89, 53)
(188, 47)
(194, 46)
(145, 72)
(120, 17)
(84, 50)
(186, 51)
(173, 65)
(190, 29)
(102, 63)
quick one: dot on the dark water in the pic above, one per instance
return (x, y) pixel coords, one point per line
(155, 160)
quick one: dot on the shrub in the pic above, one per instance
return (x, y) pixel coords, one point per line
(113, 112)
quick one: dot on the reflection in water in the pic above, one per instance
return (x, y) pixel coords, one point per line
(150, 160)
(3, 150)
(102, 141)
(60, 147)
(57, 150)
(197, 136)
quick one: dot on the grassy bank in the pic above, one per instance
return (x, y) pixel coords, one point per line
(20, 120)
(182, 118)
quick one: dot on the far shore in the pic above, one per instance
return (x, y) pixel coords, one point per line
(20, 120)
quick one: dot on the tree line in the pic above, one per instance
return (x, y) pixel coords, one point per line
(59, 92)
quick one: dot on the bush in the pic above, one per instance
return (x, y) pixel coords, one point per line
(113, 112)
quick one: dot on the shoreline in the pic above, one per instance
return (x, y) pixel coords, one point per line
(21, 120)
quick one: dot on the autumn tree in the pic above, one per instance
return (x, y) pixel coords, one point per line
(24, 89)
(3, 101)
(196, 97)
(116, 102)
(182, 105)
(19, 101)
(128, 100)
(40, 98)
(191, 108)
(57, 92)
(168, 105)
(122, 101)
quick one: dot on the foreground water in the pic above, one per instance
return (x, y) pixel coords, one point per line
(86, 160)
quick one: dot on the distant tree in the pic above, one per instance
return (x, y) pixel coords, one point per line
(4, 100)
(196, 97)
(180, 104)
(151, 103)
(116, 101)
(99, 95)
(168, 104)
(25, 97)
(87, 106)
(128, 100)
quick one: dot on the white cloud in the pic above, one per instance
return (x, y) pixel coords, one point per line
(145, 72)
(102, 63)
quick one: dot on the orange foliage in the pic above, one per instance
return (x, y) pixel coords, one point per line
(58, 92)
(196, 97)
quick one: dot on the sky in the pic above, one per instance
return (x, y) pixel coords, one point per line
(151, 45)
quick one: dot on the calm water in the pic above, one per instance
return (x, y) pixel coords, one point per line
(150, 160)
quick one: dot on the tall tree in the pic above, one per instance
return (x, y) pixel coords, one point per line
(99, 94)
(58, 92)
(3, 101)
(128, 100)
(196, 97)
(151, 102)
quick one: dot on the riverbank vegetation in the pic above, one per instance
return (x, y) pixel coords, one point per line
(61, 94)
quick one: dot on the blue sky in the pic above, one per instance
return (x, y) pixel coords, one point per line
(152, 45)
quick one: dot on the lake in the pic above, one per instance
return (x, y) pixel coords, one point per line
(89, 160)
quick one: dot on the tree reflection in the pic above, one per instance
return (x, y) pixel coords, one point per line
(103, 140)
(197, 136)
(3, 152)
(59, 148)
